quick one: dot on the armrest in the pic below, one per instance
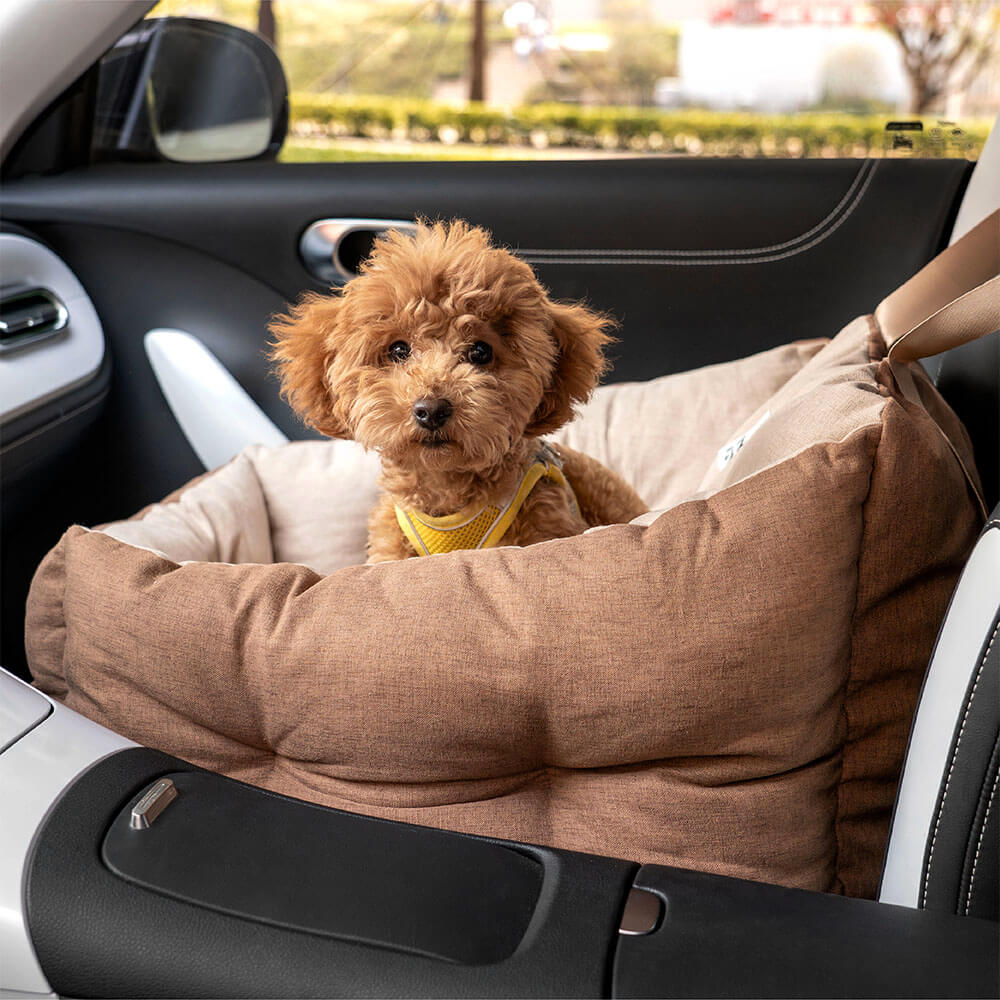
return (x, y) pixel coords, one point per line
(729, 937)
(234, 891)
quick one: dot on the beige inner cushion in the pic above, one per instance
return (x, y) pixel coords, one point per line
(308, 502)
(662, 435)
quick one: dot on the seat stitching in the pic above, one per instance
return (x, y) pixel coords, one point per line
(979, 845)
(951, 768)
(578, 257)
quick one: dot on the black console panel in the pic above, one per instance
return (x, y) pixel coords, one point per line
(235, 892)
(725, 937)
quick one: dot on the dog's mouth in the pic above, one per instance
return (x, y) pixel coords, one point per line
(435, 441)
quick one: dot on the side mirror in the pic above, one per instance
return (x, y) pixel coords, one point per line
(191, 91)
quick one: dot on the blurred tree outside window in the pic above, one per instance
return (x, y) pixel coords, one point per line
(945, 45)
(520, 79)
(267, 27)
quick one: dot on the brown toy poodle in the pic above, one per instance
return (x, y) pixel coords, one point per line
(448, 358)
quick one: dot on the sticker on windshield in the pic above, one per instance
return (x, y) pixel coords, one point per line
(729, 451)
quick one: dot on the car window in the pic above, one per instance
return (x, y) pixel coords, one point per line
(536, 79)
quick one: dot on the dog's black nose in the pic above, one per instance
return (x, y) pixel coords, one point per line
(431, 413)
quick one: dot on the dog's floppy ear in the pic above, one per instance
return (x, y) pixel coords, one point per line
(580, 336)
(303, 350)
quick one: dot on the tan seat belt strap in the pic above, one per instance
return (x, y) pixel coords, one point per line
(953, 300)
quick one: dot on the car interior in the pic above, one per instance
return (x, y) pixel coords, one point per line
(133, 357)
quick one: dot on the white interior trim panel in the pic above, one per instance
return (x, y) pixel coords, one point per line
(34, 771)
(38, 372)
(982, 196)
(953, 666)
(21, 709)
(46, 46)
(214, 411)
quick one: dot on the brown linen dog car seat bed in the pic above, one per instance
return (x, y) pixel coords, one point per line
(724, 684)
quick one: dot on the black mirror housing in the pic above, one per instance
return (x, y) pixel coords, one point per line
(192, 91)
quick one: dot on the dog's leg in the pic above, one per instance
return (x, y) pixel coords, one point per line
(546, 514)
(604, 497)
(386, 542)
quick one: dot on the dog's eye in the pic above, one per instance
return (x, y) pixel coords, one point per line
(399, 351)
(479, 354)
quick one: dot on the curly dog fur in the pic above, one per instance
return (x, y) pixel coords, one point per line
(448, 358)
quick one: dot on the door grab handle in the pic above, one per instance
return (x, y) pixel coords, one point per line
(333, 249)
(216, 414)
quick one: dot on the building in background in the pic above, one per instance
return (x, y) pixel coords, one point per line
(789, 66)
(788, 55)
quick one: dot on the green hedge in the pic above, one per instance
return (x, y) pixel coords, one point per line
(636, 129)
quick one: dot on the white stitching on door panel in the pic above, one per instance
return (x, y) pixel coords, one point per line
(707, 257)
(866, 164)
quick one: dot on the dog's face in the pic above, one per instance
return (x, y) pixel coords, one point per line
(442, 354)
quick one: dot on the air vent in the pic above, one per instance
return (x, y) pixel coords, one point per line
(51, 339)
(28, 315)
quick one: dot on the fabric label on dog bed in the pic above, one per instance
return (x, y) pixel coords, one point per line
(728, 451)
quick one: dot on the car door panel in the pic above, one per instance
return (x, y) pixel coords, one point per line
(804, 245)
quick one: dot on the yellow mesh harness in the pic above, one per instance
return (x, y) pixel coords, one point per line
(483, 528)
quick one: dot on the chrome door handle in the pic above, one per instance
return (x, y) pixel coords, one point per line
(333, 249)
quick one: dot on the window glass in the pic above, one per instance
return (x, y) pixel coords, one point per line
(530, 79)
